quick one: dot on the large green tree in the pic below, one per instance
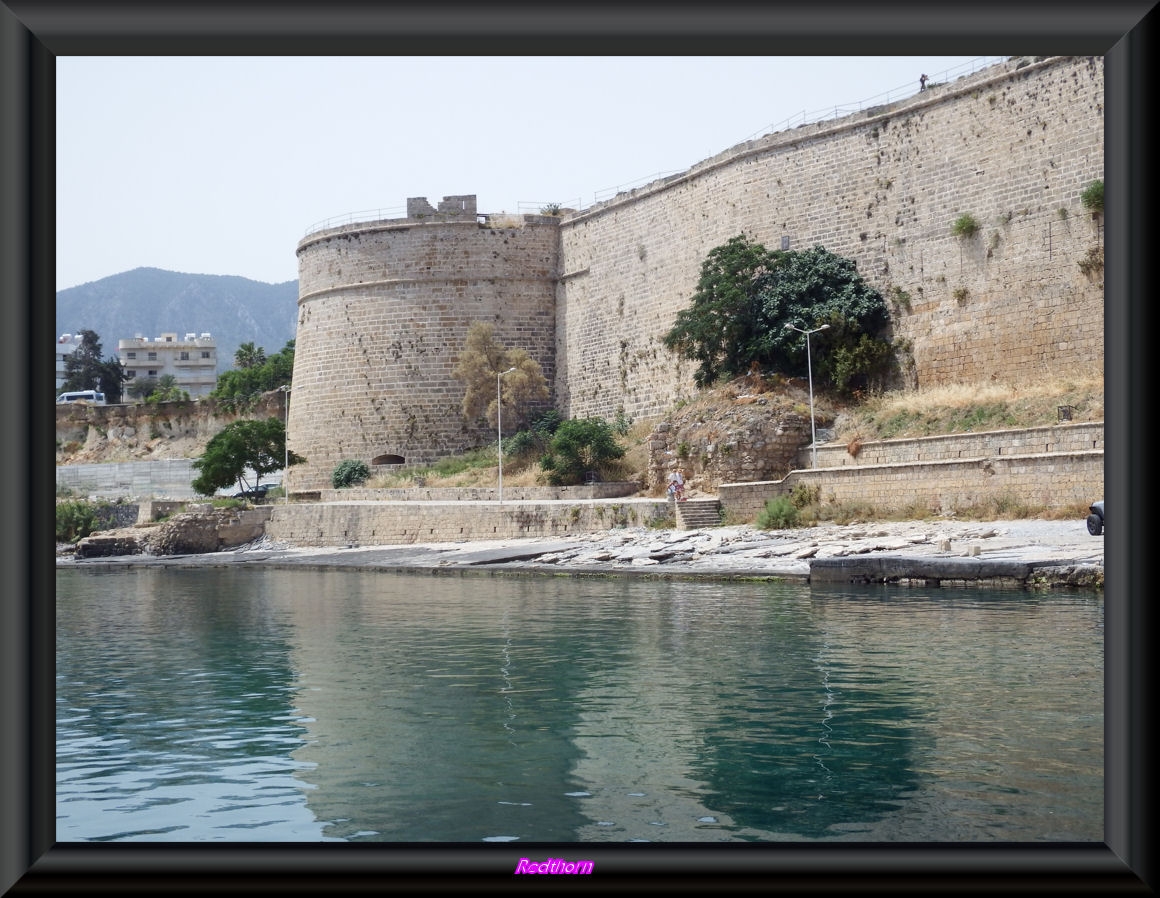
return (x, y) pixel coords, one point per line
(814, 287)
(718, 329)
(259, 446)
(483, 360)
(747, 295)
(85, 370)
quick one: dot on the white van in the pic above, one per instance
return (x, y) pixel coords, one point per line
(92, 397)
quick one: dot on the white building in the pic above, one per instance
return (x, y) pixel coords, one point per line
(66, 345)
(192, 361)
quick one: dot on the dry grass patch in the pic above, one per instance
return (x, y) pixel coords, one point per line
(962, 408)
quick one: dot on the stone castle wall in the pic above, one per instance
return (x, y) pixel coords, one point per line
(384, 311)
(385, 306)
(1013, 145)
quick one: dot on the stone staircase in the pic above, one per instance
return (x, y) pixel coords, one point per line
(698, 514)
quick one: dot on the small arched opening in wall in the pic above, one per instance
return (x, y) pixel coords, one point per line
(388, 460)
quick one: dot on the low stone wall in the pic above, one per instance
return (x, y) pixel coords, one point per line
(955, 447)
(152, 510)
(615, 490)
(401, 523)
(198, 530)
(1055, 480)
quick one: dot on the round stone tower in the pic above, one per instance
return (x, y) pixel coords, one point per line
(384, 308)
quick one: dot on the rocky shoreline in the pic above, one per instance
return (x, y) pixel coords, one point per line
(1025, 553)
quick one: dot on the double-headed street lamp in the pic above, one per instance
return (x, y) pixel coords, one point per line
(810, 371)
(285, 388)
(499, 424)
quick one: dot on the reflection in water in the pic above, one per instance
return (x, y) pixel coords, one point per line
(239, 704)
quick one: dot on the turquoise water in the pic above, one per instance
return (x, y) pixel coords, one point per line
(234, 705)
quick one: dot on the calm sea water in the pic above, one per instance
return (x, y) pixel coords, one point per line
(259, 705)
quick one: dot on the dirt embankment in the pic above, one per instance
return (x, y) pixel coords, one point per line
(88, 434)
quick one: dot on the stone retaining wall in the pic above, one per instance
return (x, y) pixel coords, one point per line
(401, 523)
(483, 493)
(1055, 480)
(171, 478)
(952, 447)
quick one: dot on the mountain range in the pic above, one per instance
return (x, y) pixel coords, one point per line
(151, 301)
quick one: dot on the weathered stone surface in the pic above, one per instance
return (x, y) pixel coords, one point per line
(203, 529)
(750, 431)
(109, 543)
(112, 433)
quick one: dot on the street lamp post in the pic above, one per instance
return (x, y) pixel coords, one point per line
(810, 372)
(499, 424)
(285, 388)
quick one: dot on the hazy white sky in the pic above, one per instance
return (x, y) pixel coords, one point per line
(220, 165)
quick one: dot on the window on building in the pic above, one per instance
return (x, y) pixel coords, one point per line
(130, 355)
(185, 356)
(152, 372)
(205, 353)
(153, 357)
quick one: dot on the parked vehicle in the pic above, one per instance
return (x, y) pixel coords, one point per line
(92, 397)
(1095, 520)
(257, 492)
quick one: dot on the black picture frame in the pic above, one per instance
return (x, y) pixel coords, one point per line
(34, 33)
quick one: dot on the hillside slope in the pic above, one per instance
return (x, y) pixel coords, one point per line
(151, 301)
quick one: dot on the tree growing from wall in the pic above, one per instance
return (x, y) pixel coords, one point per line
(747, 295)
(483, 360)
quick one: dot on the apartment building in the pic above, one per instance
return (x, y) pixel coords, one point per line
(192, 361)
(66, 345)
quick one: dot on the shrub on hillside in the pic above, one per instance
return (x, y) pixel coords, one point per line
(75, 520)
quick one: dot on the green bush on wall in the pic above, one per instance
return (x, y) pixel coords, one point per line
(1092, 197)
(350, 473)
(966, 225)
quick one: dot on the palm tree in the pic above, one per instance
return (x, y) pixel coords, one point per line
(249, 356)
